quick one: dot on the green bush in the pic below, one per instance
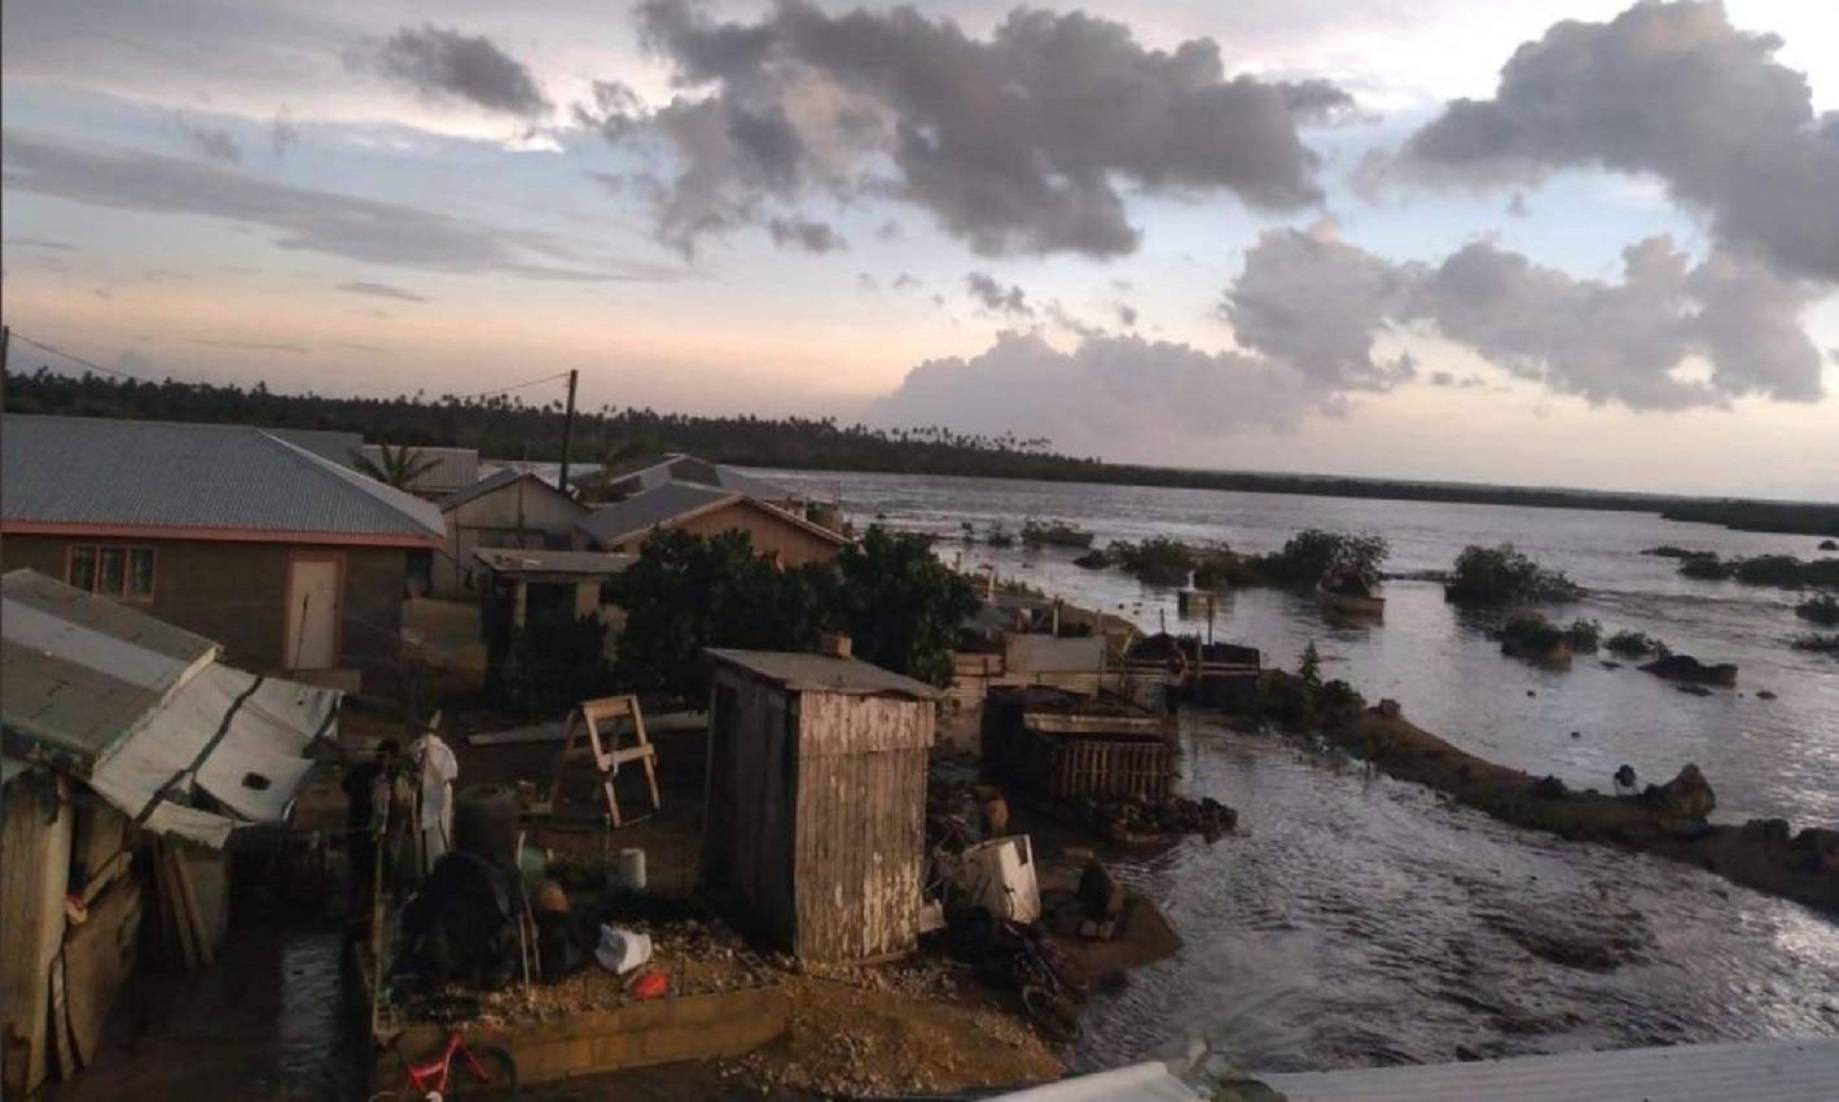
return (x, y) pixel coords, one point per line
(1585, 635)
(1311, 553)
(1056, 533)
(1781, 571)
(1531, 636)
(555, 662)
(1705, 569)
(1819, 644)
(1501, 575)
(1156, 561)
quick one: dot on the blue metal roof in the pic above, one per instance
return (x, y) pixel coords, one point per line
(159, 474)
(613, 524)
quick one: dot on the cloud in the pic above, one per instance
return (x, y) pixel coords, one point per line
(283, 134)
(1646, 342)
(317, 221)
(211, 143)
(43, 243)
(812, 237)
(906, 281)
(1105, 390)
(445, 65)
(381, 290)
(1671, 90)
(992, 295)
(1024, 142)
(1126, 315)
(255, 346)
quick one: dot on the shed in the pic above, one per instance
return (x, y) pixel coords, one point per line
(816, 831)
(1061, 745)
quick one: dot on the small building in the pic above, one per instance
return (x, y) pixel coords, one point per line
(815, 837)
(287, 559)
(444, 470)
(125, 746)
(515, 586)
(508, 509)
(784, 537)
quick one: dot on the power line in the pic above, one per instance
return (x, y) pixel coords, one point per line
(513, 386)
(93, 366)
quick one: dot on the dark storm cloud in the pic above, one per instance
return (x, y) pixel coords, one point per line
(1668, 89)
(1126, 315)
(210, 142)
(1020, 143)
(1320, 305)
(444, 64)
(381, 290)
(812, 237)
(992, 295)
(302, 218)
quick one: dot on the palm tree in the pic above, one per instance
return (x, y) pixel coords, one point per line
(399, 467)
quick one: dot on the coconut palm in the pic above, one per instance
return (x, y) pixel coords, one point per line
(399, 466)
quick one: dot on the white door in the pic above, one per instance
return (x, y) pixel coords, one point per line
(312, 616)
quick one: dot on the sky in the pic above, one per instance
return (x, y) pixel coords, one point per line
(1553, 242)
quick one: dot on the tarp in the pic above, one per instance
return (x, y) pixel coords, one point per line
(236, 737)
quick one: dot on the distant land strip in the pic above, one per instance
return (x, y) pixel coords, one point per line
(504, 426)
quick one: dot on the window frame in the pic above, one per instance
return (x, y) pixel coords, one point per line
(128, 553)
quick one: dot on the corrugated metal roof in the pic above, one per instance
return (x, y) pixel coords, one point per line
(142, 712)
(159, 474)
(1787, 1071)
(510, 560)
(649, 474)
(497, 480)
(338, 447)
(620, 521)
(823, 674)
(454, 468)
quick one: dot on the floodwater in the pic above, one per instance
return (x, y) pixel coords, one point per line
(1355, 920)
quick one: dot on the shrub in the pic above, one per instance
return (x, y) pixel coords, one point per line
(1311, 553)
(1056, 533)
(1531, 636)
(1157, 561)
(999, 536)
(555, 661)
(1817, 643)
(1585, 635)
(1669, 551)
(1501, 575)
(1706, 569)
(1777, 570)
(1822, 609)
(1634, 644)
(1782, 571)
(1221, 569)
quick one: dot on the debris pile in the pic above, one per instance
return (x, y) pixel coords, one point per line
(1154, 818)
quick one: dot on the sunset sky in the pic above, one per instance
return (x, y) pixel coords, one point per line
(1555, 242)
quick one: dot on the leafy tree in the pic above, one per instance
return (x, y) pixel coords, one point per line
(555, 661)
(398, 466)
(1501, 575)
(901, 606)
(1309, 670)
(1310, 554)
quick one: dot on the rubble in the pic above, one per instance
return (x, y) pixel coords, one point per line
(1153, 818)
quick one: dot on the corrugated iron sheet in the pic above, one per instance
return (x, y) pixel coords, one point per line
(1791, 1071)
(820, 673)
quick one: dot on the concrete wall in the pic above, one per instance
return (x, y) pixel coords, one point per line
(773, 536)
(529, 513)
(236, 593)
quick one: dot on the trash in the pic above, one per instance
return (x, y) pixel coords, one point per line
(652, 984)
(621, 950)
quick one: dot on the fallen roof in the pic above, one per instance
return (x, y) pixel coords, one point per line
(76, 475)
(143, 713)
(514, 562)
(674, 503)
(821, 673)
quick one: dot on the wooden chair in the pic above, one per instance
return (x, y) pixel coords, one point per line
(584, 740)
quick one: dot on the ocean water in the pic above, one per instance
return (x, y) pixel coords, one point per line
(1355, 920)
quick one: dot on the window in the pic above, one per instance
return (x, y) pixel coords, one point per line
(112, 570)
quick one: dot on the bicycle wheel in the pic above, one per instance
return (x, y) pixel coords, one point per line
(1056, 1016)
(500, 1080)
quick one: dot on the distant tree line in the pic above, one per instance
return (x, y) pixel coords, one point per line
(505, 426)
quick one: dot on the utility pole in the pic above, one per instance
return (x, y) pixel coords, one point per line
(568, 430)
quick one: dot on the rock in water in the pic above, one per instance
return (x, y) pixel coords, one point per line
(1687, 796)
(1684, 667)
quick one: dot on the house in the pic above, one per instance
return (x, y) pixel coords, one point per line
(286, 558)
(124, 744)
(676, 468)
(446, 470)
(785, 537)
(510, 508)
(816, 793)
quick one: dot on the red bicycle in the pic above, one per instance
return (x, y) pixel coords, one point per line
(458, 1071)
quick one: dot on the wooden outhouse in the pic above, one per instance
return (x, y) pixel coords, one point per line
(816, 831)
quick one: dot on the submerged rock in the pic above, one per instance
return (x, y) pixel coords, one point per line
(1684, 667)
